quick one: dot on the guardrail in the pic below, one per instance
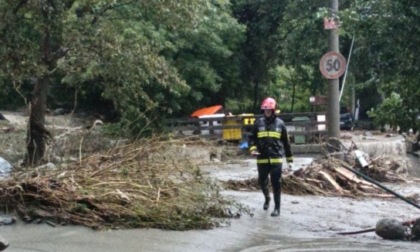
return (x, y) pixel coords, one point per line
(302, 127)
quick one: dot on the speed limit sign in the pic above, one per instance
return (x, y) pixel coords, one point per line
(332, 65)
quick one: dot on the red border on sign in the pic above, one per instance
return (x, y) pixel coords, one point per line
(340, 72)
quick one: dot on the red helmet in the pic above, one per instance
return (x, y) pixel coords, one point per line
(268, 103)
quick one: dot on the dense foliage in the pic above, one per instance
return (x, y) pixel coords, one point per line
(139, 62)
(389, 34)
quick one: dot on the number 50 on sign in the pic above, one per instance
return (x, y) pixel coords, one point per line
(332, 65)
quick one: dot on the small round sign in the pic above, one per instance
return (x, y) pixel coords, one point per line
(332, 65)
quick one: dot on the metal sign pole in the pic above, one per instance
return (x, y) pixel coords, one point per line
(333, 107)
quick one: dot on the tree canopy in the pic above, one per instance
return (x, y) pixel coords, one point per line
(140, 62)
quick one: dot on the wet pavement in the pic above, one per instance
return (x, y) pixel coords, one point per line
(307, 223)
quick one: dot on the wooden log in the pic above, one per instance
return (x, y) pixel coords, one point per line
(350, 176)
(365, 187)
(331, 181)
(315, 181)
(378, 195)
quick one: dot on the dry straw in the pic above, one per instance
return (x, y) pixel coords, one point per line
(143, 184)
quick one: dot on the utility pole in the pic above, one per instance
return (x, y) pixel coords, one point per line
(333, 107)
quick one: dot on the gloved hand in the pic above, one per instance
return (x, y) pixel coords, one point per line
(254, 153)
(290, 162)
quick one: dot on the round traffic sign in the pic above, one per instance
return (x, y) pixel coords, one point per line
(332, 65)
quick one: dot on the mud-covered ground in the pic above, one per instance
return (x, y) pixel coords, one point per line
(307, 223)
(311, 223)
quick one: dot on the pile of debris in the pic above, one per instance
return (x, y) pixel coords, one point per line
(142, 184)
(329, 177)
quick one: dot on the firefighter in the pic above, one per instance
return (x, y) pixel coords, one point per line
(270, 144)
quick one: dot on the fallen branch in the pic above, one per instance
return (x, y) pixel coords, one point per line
(358, 232)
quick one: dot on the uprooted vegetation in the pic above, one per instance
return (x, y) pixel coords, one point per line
(98, 182)
(142, 184)
(328, 177)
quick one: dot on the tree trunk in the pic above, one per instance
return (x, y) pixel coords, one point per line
(255, 106)
(37, 134)
(293, 95)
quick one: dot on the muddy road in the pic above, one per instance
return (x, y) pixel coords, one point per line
(307, 223)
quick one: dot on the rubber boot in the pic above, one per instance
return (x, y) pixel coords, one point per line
(267, 202)
(276, 211)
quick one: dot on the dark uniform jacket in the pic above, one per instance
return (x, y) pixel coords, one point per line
(269, 138)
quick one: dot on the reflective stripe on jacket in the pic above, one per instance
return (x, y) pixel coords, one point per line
(270, 139)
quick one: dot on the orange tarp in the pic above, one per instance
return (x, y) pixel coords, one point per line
(207, 111)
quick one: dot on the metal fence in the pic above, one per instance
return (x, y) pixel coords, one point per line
(302, 127)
